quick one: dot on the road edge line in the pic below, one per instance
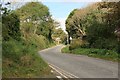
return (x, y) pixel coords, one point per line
(58, 71)
(68, 74)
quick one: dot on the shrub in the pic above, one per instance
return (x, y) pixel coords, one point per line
(65, 49)
(40, 42)
(76, 43)
(98, 51)
(11, 26)
(22, 60)
(86, 45)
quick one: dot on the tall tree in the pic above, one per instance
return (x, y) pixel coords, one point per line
(96, 22)
(38, 19)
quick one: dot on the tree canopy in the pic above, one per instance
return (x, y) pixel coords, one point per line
(97, 22)
(38, 20)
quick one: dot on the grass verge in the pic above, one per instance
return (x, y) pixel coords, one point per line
(91, 52)
(21, 60)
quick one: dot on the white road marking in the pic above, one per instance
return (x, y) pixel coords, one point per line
(58, 71)
(51, 71)
(63, 72)
(59, 77)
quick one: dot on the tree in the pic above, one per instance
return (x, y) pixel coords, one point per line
(68, 24)
(101, 26)
(10, 25)
(97, 22)
(38, 18)
(75, 23)
(59, 33)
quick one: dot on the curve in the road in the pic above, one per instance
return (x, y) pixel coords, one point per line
(79, 65)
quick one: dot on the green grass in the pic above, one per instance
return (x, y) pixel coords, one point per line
(20, 59)
(65, 50)
(97, 53)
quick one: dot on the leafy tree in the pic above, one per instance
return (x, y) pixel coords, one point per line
(39, 19)
(76, 21)
(59, 33)
(97, 22)
(68, 24)
(10, 25)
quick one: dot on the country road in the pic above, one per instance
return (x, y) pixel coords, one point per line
(79, 65)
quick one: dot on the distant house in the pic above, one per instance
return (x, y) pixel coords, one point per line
(58, 40)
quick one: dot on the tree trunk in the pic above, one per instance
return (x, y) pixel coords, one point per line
(69, 38)
(49, 36)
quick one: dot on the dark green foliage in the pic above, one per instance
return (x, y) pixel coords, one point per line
(21, 60)
(97, 36)
(34, 11)
(93, 52)
(40, 21)
(11, 26)
(98, 22)
(20, 53)
(118, 48)
(71, 14)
